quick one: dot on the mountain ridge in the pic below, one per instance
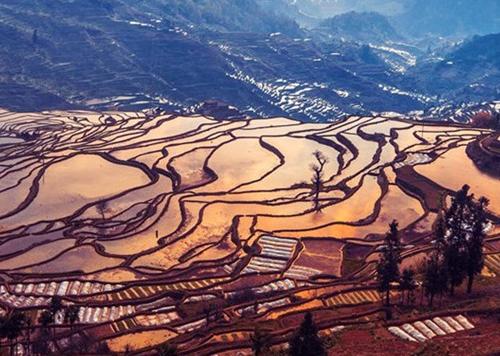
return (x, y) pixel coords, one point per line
(119, 54)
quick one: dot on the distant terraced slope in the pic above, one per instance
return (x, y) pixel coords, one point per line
(142, 219)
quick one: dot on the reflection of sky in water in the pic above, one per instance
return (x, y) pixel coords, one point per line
(454, 169)
(209, 210)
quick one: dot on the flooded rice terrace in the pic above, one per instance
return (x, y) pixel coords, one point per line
(140, 220)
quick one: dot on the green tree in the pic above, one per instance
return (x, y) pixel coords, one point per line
(306, 341)
(388, 264)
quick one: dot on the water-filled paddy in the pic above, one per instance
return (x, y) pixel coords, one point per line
(145, 209)
(454, 169)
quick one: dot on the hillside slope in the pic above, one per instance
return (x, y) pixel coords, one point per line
(470, 72)
(361, 27)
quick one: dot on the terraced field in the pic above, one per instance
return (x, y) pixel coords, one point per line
(192, 230)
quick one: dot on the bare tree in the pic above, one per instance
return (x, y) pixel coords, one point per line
(317, 179)
(102, 207)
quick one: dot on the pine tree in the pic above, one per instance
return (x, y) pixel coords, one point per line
(45, 320)
(388, 264)
(407, 283)
(440, 235)
(474, 243)
(71, 316)
(306, 341)
(460, 237)
(434, 277)
(456, 235)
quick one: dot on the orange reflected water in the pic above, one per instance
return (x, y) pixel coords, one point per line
(166, 222)
(299, 157)
(240, 161)
(358, 206)
(38, 254)
(190, 166)
(385, 127)
(454, 169)
(70, 184)
(201, 234)
(82, 258)
(395, 205)
(216, 222)
(140, 340)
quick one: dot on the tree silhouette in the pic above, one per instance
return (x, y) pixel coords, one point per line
(459, 238)
(3, 321)
(306, 341)
(407, 283)
(440, 234)
(55, 307)
(454, 252)
(434, 278)
(71, 316)
(12, 327)
(28, 335)
(317, 179)
(208, 310)
(260, 341)
(45, 320)
(102, 207)
(166, 350)
(55, 304)
(474, 243)
(388, 264)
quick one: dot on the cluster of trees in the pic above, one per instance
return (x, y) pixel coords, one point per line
(458, 254)
(12, 327)
(18, 325)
